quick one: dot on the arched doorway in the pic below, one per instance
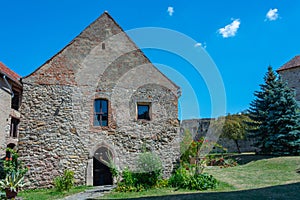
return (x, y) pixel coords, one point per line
(101, 172)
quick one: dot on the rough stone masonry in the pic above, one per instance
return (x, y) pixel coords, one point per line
(57, 130)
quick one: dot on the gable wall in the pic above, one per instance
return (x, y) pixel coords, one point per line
(57, 129)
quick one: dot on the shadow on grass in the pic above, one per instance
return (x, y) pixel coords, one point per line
(244, 159)
(289, 191)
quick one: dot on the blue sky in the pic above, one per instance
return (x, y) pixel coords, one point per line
(239, 36)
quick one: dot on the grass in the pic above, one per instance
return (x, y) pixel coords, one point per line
(46, 194)
(260, 173)
(264, 178)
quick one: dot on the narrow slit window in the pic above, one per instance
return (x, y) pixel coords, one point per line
(14, 127)
(143, 111)
(101, 112)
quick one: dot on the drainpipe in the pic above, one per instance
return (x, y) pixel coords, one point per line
(9, 87)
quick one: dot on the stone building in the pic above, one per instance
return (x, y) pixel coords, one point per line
(290, 72)
(10, 96)
(99, 97)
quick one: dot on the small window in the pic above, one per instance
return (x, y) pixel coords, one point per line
(14, 127)
(15, 102)
(101, 112)
(143, 111)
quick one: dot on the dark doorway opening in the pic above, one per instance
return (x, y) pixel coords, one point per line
(101, 172)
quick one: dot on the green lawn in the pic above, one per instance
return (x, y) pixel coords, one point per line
(272, 178)
(44, 194)
(261, 178)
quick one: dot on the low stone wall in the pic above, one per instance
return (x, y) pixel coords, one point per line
(199, 127)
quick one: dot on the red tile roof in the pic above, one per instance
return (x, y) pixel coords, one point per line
(9, 73)
(295, 62)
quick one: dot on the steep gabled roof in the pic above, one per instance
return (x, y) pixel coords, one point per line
(9, 73)
(295, 62)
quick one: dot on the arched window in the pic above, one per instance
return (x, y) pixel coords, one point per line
(100, 112)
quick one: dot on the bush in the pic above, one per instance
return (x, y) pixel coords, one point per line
(147, 175)
(180, 178)
(186, 179)
(202, 181)
(64, 182)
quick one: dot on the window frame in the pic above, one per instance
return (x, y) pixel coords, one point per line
(149, 104)
(14, 126)
(99, 123)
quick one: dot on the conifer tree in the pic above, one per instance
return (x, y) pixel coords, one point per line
(276, 117)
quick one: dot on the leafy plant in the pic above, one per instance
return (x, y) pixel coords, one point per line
(188, 179)
(147, 175)
(13, 181)
(180, 178)
(64, 182)
(11, 164)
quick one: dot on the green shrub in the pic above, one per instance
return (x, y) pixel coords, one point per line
(162, 183)
(12, 164)
(147, 175)
(202, 181)
(188, 179)
(64, 182)
(180, 178)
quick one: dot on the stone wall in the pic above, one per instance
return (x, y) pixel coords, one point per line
(199, 128)
(5, 101)
(292, 76)
(6, 114)
(57, 131)
(51, 139)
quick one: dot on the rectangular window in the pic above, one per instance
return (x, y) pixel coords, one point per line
(15, 102)
(101, 112)
(143, 111)
(14, 127)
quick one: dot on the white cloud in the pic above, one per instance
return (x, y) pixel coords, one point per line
(231, 29)
(272, 14)
(170, 10)
(199, 44)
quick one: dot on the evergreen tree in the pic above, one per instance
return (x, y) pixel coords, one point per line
(276, 117)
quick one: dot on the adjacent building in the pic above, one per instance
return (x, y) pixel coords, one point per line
(290, 72)
(10, 98)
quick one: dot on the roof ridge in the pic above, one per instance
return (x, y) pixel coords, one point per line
(293, 63)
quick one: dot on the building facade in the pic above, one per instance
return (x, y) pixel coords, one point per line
(10, 98)
(97, 99)
(290, 72)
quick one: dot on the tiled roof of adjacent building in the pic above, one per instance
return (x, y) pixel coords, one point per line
(9, 73)
(295, 62)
